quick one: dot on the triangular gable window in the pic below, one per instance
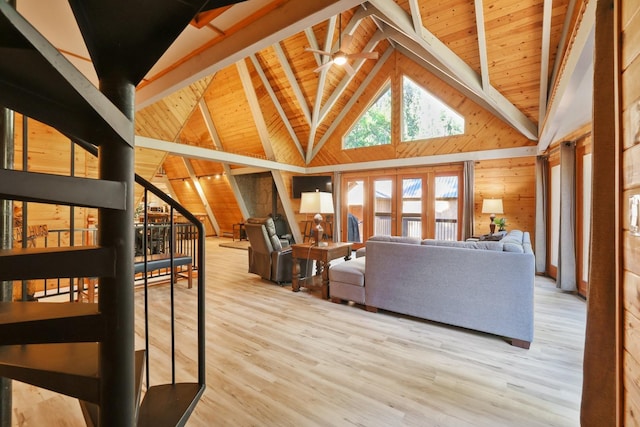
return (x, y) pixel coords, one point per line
(424, 116)
(374, 126)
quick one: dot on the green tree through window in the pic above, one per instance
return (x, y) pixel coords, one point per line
(425, 116)
(374, 126)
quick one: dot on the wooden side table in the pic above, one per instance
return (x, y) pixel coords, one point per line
(323, 255)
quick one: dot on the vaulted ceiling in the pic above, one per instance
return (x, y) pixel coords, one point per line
(239, 90)
(503, 55)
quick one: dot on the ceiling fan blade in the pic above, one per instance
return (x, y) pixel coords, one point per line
(348, 68)
(365, 55)
(323, 66)
(321, 52)
(346, 42)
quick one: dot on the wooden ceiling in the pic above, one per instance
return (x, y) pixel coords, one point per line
(238, 91)
(237, 60)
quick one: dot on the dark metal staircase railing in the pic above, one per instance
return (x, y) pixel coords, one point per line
(87, 350)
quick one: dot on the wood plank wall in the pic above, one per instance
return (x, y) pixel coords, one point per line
(513, 181)
(630, 62)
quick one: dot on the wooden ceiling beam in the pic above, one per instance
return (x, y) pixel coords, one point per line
(576, 68)
(291, 78)
(342, 86)
(288, 19)
(277, 104)
(544, 60)
(215, 137)
(254, 165)
(322, 80)
(566, 29)
(195, 152)
(482, 44)
(416, 16)
(254, 106)
(201, 195)
(399, 26)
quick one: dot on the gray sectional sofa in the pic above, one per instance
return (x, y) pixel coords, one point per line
(484, 286)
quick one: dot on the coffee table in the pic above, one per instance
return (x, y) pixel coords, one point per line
(323, 255)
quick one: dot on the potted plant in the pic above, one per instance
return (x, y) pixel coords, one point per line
(501, 223)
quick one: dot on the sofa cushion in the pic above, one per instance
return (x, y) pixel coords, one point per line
(512, 242)
(396, 239)
(484, 245)
(351, 272)
(514, 236)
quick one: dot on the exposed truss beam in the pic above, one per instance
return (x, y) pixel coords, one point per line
(482, 44)
(311, 37)
(258, 165)
(254, 106)
(194, 152)
(566, 27)
(356, 95)
(203, 197)
(416, 16)
(289, 212)
(342, 86)
(288, 19)
(425, 45)
(570, 73)
(505, 153)
(291, 78)
(167, 183)
(322, 80)
(373, 42)
(213, 133)
(276, 103)
(544, 60)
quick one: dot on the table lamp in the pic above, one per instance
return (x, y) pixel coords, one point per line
(319, 203)
(493, 207)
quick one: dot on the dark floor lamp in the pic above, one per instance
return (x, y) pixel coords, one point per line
(318, 203)
(493, 207)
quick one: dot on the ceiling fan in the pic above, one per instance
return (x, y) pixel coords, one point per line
(340, 57)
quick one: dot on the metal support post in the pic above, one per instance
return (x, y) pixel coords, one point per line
(116, 302)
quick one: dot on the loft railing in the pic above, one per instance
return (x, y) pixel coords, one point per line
(185, 237)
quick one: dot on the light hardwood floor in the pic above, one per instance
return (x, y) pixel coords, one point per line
(278, 358)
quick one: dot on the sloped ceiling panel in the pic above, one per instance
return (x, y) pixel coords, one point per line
(166, 118)
(231, 114)
(454, 23)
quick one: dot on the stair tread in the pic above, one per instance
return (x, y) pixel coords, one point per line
(44, 263)
(91, 411)
(169, 404)
(47, 322)
(58, 189)
(36, 80)
(69, 368)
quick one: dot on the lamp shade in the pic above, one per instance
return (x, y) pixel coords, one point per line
(492, 206)
(316, 202)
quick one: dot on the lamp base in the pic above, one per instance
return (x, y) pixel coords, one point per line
(318, 231)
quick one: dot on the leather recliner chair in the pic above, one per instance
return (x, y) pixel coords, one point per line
(269, 256)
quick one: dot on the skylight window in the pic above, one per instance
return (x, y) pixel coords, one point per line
(424, 116)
